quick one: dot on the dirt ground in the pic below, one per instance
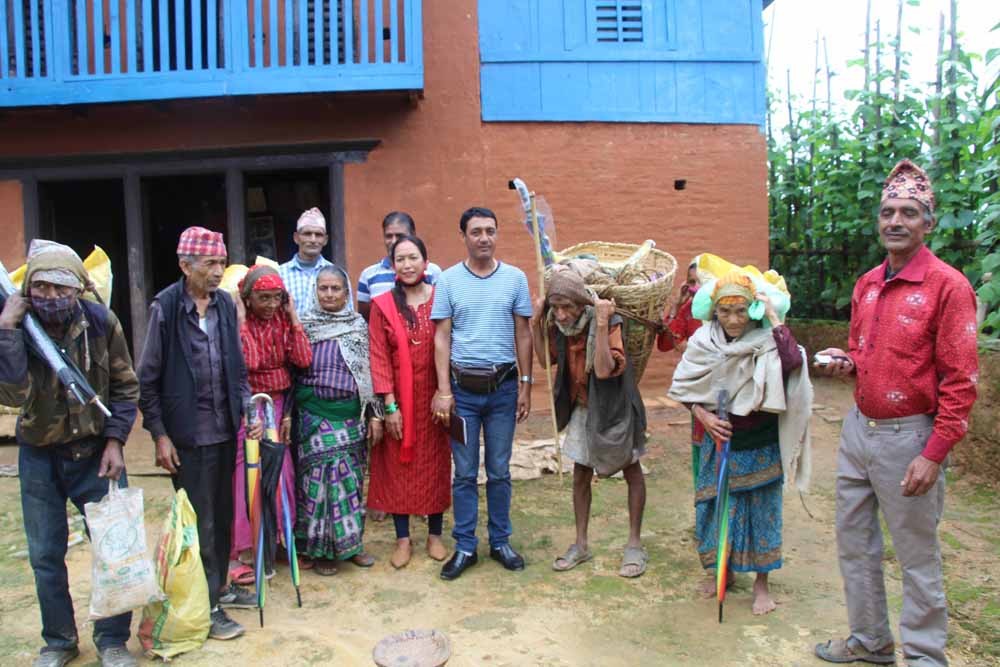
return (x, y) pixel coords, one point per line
(588, 616)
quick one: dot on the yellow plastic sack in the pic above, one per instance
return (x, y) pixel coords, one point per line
(181, 622)
(234, 273)
(98, 266)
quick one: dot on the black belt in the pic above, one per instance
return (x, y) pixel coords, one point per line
(482, 379)
(78, 450)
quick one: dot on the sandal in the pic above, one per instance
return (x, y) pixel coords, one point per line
(633, 556)
(435, 548)
(851, 650)
(324, 567)
(241, 574)
(573, 557)
(401, 555)
(363, 559)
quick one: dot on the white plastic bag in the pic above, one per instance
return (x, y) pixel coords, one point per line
(122, 576)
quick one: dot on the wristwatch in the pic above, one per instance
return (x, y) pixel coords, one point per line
(527, 379)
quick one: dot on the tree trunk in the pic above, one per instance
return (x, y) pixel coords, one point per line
(899, 55)
(939, 83)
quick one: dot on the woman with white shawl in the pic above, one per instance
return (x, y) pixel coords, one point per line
(338, 417)
(762, 368)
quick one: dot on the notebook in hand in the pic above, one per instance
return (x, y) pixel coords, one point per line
(457, 428)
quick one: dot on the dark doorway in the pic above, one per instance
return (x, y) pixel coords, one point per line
(171, 204)
(274, 202)
(83, 214)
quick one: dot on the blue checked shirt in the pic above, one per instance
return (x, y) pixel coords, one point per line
(300, 281)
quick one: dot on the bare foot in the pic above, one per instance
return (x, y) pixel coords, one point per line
(762, 601)
(707, 589)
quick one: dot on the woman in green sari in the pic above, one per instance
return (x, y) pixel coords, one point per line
(338, 417)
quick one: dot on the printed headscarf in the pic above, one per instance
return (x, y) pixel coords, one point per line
(54, 263)
(260, 277)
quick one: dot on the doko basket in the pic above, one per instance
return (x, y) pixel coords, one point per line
(646, 299)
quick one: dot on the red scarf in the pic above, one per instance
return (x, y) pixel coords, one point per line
(404, 394)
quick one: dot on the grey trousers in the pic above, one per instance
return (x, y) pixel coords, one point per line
(871, 463)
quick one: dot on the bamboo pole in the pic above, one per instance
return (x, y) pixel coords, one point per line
(545, 333)
(899, 56)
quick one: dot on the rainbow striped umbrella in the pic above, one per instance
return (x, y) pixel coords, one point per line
(722, 508)
(255, 506)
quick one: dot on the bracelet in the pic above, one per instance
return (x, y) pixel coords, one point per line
(446, 396)
(527, 379)
(391, 408)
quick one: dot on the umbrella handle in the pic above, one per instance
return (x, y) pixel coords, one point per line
(268, 408)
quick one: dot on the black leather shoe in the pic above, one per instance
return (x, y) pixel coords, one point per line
(457, 564)
(507, 557)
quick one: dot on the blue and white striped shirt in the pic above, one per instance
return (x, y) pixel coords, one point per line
(300, 281)
(482, 312)
(379, 278)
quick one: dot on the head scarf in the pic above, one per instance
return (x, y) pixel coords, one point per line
(198, 241)
(54, 263)
(908, 181)
(567, 283)
(733, 287)
(311, 218)
(260, 277)
(350, 330)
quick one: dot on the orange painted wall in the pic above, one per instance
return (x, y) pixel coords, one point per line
(11, 225)
(604, 181)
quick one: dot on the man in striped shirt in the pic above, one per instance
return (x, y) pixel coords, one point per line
(379, 278)
(299, 273)
(483, 359)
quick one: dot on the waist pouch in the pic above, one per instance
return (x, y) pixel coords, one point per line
(482, 379)
(77, 450)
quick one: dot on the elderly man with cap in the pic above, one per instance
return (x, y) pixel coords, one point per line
(193, 392)
(67, 451)
(912, 352)
(299, 273)
(597, 405)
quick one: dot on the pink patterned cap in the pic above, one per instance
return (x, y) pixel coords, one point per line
(199, 241)
(311, 218)
(908, 181)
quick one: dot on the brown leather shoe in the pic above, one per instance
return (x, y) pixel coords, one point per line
(851, 650)
(401, 555)
(435, 548)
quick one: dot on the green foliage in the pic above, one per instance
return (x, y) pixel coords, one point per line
(827, 166)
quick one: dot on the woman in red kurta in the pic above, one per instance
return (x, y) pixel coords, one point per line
(411, 467)
(273, 343)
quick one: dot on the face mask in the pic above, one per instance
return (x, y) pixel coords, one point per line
(54, 311)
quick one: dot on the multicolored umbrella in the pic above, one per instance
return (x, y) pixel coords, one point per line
(722, 508)
(255, 505)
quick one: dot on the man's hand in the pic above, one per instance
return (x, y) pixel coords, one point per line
(112, 461)
(920, 476)
(604, 309)
(14, 311)
(166, 455)
(374, 431)
(841, 365)
(523, 402)
(538, 311)
(720, 430)
(394, 425)
(441, 408)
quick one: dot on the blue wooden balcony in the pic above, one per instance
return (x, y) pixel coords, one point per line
(92, 51)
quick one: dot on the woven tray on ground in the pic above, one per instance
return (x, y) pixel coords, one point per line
(647, 299)
(413, 648)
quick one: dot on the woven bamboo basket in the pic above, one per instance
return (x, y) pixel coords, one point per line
(646, 299)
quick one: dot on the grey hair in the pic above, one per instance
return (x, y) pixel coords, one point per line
(190, 259)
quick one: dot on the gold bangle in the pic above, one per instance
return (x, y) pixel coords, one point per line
(446, 396)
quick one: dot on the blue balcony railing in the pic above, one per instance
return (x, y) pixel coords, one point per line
(88, 51)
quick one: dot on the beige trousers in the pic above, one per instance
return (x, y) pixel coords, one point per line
(871, 463)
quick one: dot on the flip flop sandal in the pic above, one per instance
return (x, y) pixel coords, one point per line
(633, 556)
(325, 568)
(363, 559)
(844, 651)
(573, 557)
(242, 575)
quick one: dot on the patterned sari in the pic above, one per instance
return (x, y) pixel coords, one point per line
(332, 453)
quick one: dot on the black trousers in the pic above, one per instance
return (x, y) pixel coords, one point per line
(206, 474)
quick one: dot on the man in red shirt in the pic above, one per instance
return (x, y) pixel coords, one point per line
(912, 350)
